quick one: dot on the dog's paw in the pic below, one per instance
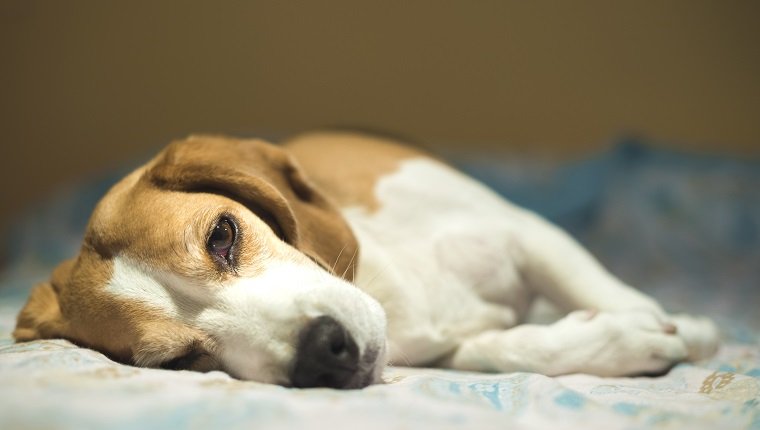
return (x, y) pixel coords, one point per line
(699, 333)
(620, 343)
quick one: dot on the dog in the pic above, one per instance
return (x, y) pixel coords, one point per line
(316, 262)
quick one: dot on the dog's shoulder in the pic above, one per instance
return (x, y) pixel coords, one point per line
(347, 165)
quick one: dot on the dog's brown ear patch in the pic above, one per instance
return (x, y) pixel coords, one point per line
(324, 235)
(41, 316)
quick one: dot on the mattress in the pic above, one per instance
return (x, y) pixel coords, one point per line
(684, 228)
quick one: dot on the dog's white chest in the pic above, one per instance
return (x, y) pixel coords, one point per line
(438, 256)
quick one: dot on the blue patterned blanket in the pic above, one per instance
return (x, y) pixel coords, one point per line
(683, 228)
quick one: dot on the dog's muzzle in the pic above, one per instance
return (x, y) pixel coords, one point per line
(328, 356)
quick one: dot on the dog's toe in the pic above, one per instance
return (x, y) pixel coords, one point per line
(700, 334)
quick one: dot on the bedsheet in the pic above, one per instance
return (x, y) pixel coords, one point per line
(684, 228)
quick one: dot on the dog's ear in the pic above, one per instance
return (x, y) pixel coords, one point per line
(41, 317)
(267, 180)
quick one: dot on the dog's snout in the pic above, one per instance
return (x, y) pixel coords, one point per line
(327, 356)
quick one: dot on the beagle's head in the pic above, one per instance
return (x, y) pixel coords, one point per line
(217, 254)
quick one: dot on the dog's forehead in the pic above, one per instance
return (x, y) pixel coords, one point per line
(167, 229)
(143, 220)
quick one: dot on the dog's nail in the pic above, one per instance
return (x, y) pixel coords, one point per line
(669, 328)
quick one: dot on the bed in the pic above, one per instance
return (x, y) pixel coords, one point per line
(684, 228)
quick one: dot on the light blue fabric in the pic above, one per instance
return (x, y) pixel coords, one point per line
(683, 228)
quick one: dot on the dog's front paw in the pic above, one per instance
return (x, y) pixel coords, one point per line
(622, 343)
(699, 333)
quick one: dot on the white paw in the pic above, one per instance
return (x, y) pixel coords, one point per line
(699, 333)
(619, 343)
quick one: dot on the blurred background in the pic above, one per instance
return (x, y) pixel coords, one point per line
(87, 85)
(634, 125)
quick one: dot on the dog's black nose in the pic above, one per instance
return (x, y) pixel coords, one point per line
(327, 355)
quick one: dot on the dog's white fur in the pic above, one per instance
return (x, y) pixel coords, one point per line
(486, 259)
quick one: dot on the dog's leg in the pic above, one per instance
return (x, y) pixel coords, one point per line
(557, 267)
(604, 344)
(561, 270)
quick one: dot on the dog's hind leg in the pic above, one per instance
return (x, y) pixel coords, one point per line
(555, 266)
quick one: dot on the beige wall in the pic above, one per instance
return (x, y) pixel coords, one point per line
(85, 84)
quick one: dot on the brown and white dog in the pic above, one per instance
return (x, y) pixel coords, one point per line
(317, 262)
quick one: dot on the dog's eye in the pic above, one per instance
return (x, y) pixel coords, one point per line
(222, 238)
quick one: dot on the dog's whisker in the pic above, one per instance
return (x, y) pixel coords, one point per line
(377, 275)
(404, 357)
(350, 263)
(332, 269)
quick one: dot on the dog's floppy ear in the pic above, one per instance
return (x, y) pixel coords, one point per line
(41, 317)
(266, 179)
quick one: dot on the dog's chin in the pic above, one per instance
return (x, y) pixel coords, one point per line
(371, 372)
(363, 378)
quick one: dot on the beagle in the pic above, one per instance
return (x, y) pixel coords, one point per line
(317, 262)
